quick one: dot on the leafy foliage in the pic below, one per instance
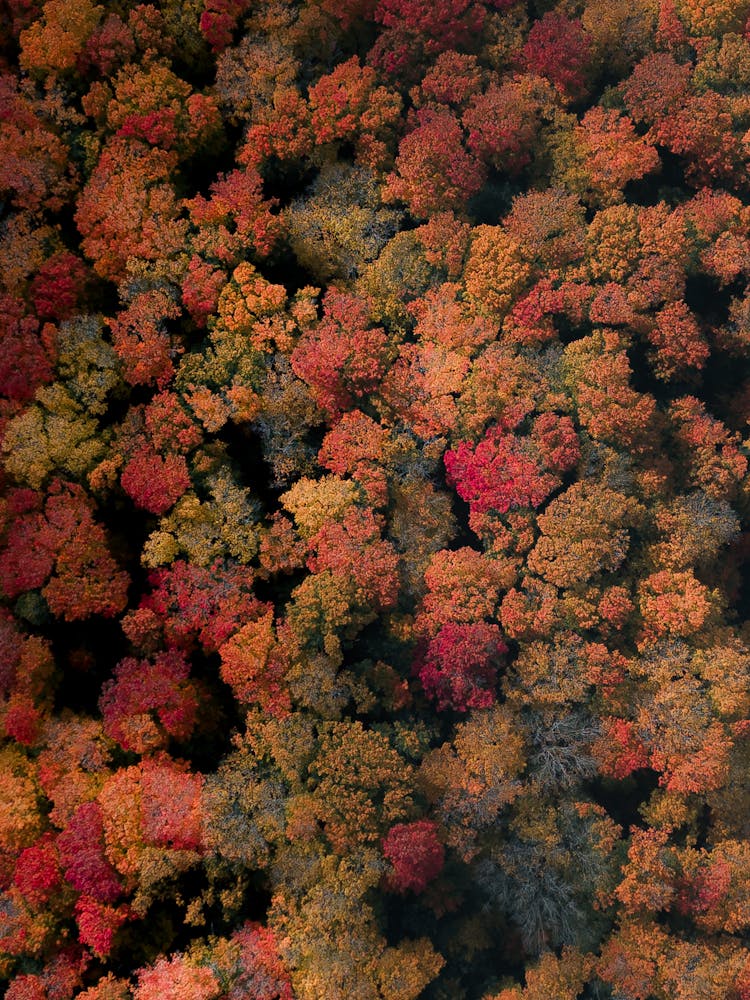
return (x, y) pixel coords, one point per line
(374, 404)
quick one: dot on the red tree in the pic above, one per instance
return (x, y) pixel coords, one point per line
(459, 667)
(147, 702)
(434, 172)
(344, 356)
(505, 472)
(415, 853)
(558, 49)
(153, 482)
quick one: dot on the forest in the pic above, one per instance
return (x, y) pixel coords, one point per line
(374, 499)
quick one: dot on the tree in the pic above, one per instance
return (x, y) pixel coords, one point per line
(315, 503)
(710, 453)
(218, 21)
(153, 482)
(145, 704)
(495, 272)
(443, 319)
(362, 785)
(111, 44)
(619, 38)
(341, 224)
(249, 74)
(353, 550)
(415, 853)
(459, 668)
(674, 603)
(147, 226)
(21, 822)
(26, 362)
(501, 385)
(420, 388)
(607, 154)
(718, 19)
(176, 979)
(462, 586)
(251, 307)
(141, 339)
(253, 666)
(153, 105)
(445, 238)
(344, 356)
(505, 472)
(472, 779)
(72, 564)
(453, 79)
(37, 872)
(421, 523)
(611, 410)
(73, 763)
(355, 446)
(401, 273)
(58, 286)
(503, 123)
(719, 232)
(549, 226)
(54, 43)
(98, 924)
(334, 947)
(35, 172)
(679, 341)
(701, 132)
(282, 130)
(81, 849)
(247, 964)
(244, 810)
(347, 105)
(552, 673)
(412, 28)
(562, 977)
(558, 48)
(220, 528)
(190, 603)
(151, 814)
(584, 532)
(236, 219)
(434, 173)
(657, 86)
(108, 988)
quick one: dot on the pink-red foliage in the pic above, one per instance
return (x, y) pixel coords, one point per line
(459, 668)
(27, 353)
(219, 20)
(449, 24)
(171, 805)
(415, 853)
(434, 172)
(147, 702)
(354, 549)
(190, 604)
(38, 875)
(502, 472)
(154, 482)
(81, 850)
(58, 287)
(344, 357)
(557, 48)
(262, 975)
(64, 550)
(98, 923)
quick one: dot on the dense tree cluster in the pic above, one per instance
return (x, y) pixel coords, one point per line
(374, 403)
